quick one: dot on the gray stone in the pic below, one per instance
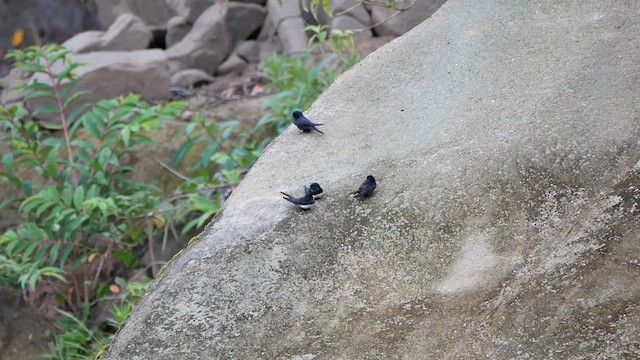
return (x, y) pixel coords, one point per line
(249, 51)
(243, 20)
(127, 33)
(190, 77)
(7, 83)
(115, 73)
(109, 74)
(505, 224)
(234, 64)
(154, 13)
(268, 29)
(406, 20)
(346, 22)
(206, 46)
(258, 2)
(177, 28)
(352, 8)
(289, 25)
(190, 9)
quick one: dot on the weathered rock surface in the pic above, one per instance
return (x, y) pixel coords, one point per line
(505, 225)
(155, 13)
(234, 64)
(177, 28)
(406, 20)
(289, 25)
(190, 77)
(351, 8)
(249, 51)
(127, 33)
(243, 20)
(190, 9)
(108, 74)
(206, 46)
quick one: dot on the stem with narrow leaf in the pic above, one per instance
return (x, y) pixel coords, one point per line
(60, 104)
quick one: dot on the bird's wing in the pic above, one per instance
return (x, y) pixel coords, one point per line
(292, 200)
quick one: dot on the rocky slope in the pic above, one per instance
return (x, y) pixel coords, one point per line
(504, 136)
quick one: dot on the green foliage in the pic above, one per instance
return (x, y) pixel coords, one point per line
(297, 82)
(78, 341)
(313, 6)
(76, 194)
(220, 166)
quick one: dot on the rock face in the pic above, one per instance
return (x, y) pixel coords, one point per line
(289, 25)
(206, 46)
(155, 13)
(505, 224)
(127, 33)
(190, 9)
(177, 28)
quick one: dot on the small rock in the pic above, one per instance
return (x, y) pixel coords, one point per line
(249, 51)
(190, 77)
(234, 64)
(177, 28)
(127, 33)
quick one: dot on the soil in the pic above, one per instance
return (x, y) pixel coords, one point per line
(23, 332)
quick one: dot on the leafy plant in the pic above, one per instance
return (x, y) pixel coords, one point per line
(83, 213)
(220, 166)
(79, 341)
(297, 82)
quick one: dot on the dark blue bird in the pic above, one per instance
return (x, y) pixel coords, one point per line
(305, 202)
(367, 187)
(316, 190)
(303, 123)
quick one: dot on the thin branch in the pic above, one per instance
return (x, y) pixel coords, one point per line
(174, 172)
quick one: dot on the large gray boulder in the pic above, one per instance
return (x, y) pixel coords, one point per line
(505, 226)
(206, 46)
(289, 25)
(243, 20)
(177, 28)
(214, 34)
(127, 33)
(108, 74)
(190, 9)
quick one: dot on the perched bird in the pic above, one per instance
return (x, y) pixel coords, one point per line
(367, 187)
(305, 202)
(303, 123)
(316, 190)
